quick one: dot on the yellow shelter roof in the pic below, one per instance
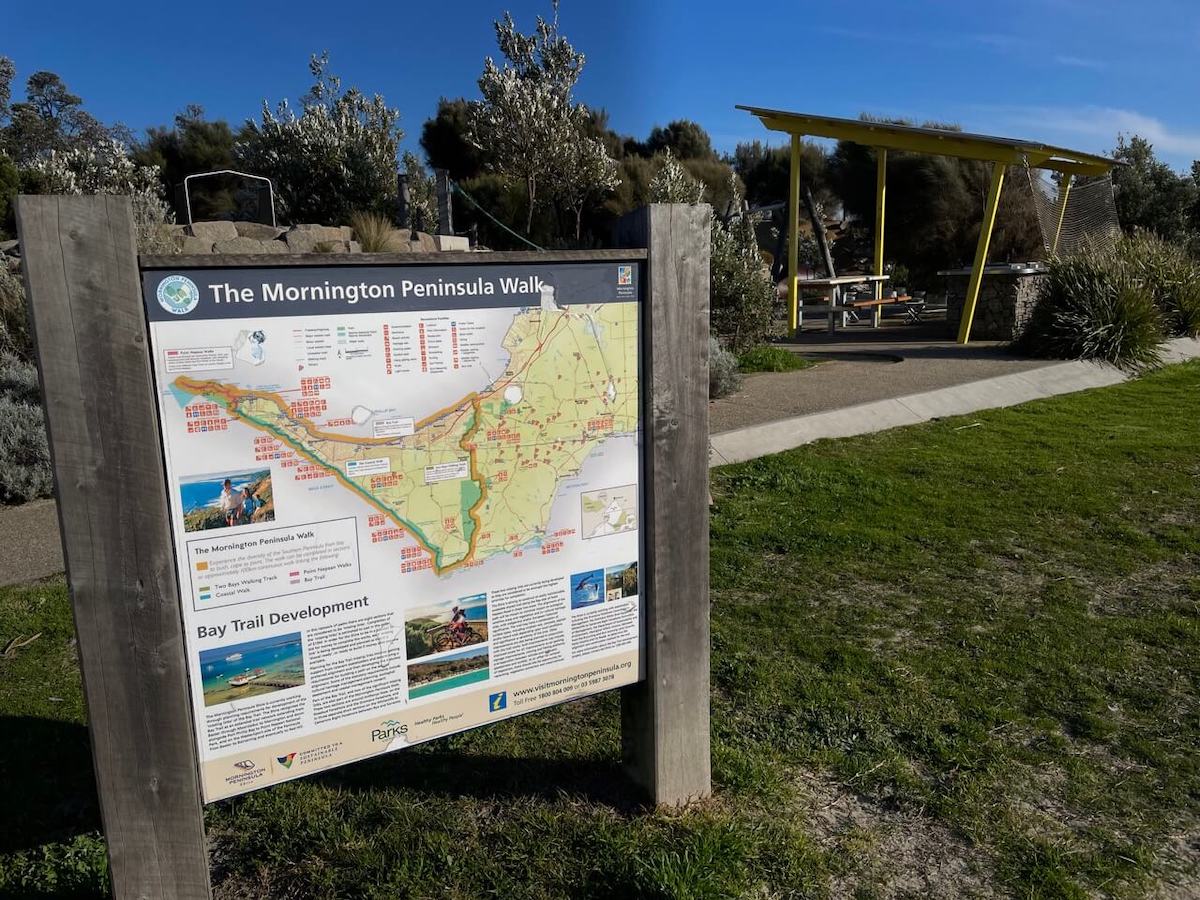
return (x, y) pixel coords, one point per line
(937, 141)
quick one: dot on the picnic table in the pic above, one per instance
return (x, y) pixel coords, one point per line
(834, 287)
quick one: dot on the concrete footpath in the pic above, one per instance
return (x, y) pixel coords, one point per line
(853, 392)
(1031, 380)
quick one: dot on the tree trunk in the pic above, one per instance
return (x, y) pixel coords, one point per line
(819, 232)
(530, 189)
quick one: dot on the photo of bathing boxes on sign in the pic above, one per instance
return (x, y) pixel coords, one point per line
(226, 499)
(446, 625)
(447, 672)
(252, 668)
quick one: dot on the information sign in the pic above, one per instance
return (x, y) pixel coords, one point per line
(405, 500)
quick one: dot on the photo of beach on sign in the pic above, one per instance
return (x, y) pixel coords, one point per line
(226, 499)
(448, 672)
(239, 671)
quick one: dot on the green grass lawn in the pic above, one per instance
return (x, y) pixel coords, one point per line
(958, 659)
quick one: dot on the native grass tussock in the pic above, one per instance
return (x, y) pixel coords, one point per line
(1116, 306)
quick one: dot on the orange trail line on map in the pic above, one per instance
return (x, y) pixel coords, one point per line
(233, 395)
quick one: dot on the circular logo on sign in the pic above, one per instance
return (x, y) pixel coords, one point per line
(178, 295)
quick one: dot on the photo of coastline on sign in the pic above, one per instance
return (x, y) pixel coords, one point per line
(226, 499)
(239, 671)
(449, 672)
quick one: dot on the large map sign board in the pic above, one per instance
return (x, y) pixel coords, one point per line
(405, 500)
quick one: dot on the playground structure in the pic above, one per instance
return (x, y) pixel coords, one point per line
(881, 137)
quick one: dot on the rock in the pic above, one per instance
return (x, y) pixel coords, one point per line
(452, 242)
(214, 231)
(249, 245)
(257, 230)
(354, 246)
(326, 232)
(190, 246)
(299, 241)
(10, 248)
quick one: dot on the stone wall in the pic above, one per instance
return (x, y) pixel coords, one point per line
(254, 237)
(1004, 306)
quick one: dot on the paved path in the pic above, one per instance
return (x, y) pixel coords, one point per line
(29, 536)
(894, 406)
(861, 387)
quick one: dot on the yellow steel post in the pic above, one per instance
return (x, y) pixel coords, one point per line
(880, 202)
(794, 238)
(981, 251)
(1064, 191)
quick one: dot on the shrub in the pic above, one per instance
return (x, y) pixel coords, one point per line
(723, 375)
(24, 452)
(1170, 275)
(14, 318)
(374, 233)
(742, 293)
(1092, 307)
(338, 155)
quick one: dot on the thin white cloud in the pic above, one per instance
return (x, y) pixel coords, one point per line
(1080, 62)
(1100, 123)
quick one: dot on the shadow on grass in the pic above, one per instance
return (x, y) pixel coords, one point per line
(49, 788)
(455, 774)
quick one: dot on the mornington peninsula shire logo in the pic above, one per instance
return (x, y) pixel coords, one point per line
(178, 294)
(624, 276)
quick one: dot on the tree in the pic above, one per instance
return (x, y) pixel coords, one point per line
(529, 125)
(1151, 195)
(445, 140)
(765, 171)
(674, 183)
(8, 72)
(684, 138)
(49, 118)
(192, 145)
(338, 156)
(935, 208)
(422, 195)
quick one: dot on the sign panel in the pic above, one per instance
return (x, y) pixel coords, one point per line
(405, 500)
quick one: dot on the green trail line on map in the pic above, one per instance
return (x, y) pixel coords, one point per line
(478, 477)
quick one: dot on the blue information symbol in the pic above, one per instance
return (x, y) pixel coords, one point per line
(498, 701)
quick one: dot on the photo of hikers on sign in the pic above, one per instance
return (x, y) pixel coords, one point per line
(226, 499)
(446, 625)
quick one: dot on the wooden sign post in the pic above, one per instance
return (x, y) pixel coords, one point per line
(84, 285)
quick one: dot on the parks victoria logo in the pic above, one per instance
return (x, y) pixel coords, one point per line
(388, 730)
(178, 294)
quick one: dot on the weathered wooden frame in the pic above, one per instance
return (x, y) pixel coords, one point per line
(82, 278)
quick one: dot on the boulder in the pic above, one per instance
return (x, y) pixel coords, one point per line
(299, 241)
(214, 231)
(257, 230)
(452, 242)
(190, 246)
(10, 248)
(326, 232)
(249, 245)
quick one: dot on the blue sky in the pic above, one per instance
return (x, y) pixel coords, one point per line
(1064, 71)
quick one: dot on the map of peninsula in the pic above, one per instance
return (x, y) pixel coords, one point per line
(478, 478)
